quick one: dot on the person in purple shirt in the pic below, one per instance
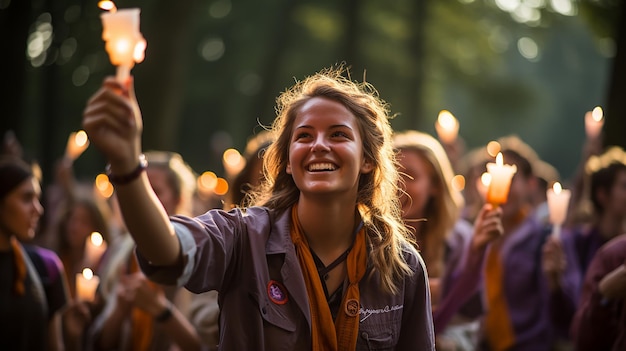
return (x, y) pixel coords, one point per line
(566, 261)
(517, 301)
(323, 261)
(453, 249)
(600, 320)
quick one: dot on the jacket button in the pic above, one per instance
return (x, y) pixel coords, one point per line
(365, 336)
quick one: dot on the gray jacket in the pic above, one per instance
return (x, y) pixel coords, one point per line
(247, 255)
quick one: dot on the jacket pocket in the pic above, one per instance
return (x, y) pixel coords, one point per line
(276, 315)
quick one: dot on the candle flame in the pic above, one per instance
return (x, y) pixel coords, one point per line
(107, 5)
(102, 181)
(96, 239)
(221, 187)
(447, 120)
(485, 178)
(233, 161)
(499, 160)
(207, 181)
(104, 186)
(88, 273)
(458, 182)
(232, 157)
(557, 188)
(493, 147)
(81, 138)
(597, 114)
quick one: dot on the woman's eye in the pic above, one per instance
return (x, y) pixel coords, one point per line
(339, 134)
(302, 135)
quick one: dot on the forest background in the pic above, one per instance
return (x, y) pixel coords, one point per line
(214, 68)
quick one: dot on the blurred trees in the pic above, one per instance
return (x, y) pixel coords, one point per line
(214, 68)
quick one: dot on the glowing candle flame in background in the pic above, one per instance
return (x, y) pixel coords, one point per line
(447, 127)
(594, 121)
(77, 143)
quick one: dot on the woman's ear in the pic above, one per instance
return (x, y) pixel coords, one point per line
(288, 170)
(367, 167)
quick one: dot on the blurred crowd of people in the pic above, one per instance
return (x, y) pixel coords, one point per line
(499, 277)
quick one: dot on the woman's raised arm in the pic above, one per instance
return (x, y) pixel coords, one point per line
(112, 120)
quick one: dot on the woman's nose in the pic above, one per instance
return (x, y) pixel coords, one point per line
(320, 145)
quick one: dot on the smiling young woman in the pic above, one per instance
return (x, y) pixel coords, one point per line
(322, 261)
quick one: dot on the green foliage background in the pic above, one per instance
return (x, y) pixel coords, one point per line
(214, 68)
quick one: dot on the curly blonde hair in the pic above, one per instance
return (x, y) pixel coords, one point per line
(377, 198)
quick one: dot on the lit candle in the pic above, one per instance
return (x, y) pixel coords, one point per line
(77, 143)
(86, 285)
(447, 127)
(233, 162)
(206, 183)
(558, 201)
(594, 120)
(501, 176)
(458, 182)
(94, 248)
(124, 42)
(103, 187)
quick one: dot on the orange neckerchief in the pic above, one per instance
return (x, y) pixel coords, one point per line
(326, 335)
(20, 267)
(142, 322)
(498, 329)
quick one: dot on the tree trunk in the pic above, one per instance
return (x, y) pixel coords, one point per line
(160, 79)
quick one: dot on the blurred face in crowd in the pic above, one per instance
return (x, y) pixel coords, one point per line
(159, 179)
(20, 210)
(79, 226)
(615, 201)
(416, 175)
(519, 197)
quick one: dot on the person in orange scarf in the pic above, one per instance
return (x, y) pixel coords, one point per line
(322, 260)
(33, 289)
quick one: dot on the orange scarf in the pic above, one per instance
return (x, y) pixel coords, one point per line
(142, 322)
(343, 332)
(20, 267)
(498, 329)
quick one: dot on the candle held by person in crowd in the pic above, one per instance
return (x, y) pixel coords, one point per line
(94, 249)
(124, 42)
(86, 284)
(501, 176)
(447, 127)
(77, 143)
(594, 120)
(558, 201)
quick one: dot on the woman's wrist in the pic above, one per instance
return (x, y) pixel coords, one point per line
(125, 176)
(165, 314)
